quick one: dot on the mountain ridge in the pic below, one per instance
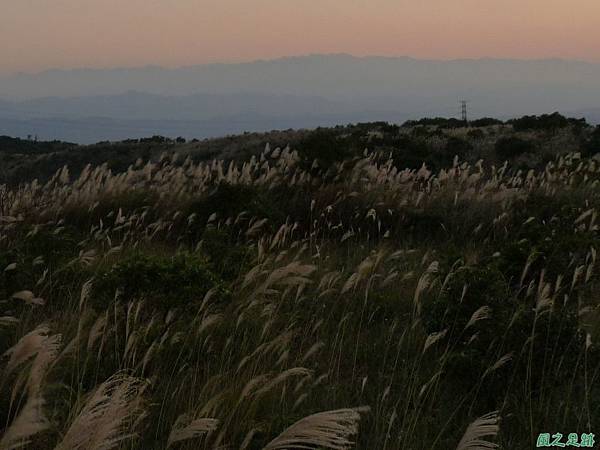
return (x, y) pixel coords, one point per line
(323, 74)
(313, 56)
(295, 92)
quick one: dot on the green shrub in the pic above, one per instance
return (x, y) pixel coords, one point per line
(468, 289)
(545, 122)
(485, 122)
(166, 282)
(440, 122)
(476, 134)
(230, 200)
(323, 145)
(456, 146)
(412, 152)
(592, 145)
(511, 147)
(225, 255)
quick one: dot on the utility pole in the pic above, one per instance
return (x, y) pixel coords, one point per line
(463, 105)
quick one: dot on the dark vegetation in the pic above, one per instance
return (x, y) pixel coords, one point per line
(529, 140)
(274, 283)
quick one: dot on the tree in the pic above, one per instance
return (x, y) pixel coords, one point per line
(545, 122)
(510, 147)
(592, 145)
(485, 122)
(456, 146)
(322, 145)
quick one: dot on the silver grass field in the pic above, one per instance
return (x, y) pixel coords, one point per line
(269, 305)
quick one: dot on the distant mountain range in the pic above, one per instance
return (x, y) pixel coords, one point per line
(203, 101)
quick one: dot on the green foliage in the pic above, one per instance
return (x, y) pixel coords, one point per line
(226, 256)
(323, 145)
(485, 122)
(545, 122)
(32, 147)
(592, 145)
(440, 122)
(156, 139)
(164, 281)
(468, 289)
(511, 147)
(236, 201)
(476, 134)
(225, 200)
(412, 152)
(456, 146)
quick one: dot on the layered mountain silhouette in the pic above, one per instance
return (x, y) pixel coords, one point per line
(202, 101)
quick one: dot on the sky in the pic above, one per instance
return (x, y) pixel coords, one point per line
(36, 35)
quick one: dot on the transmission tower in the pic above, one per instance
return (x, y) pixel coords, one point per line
(463, 107)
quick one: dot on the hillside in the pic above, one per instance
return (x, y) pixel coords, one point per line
(327, 290)
(528, 142)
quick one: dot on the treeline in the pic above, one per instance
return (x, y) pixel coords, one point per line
(544, 122)
(10, 145)
(449, 123)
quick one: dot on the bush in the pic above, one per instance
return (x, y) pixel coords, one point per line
(440, 122)
(229, 200)
(545, 122)
(412, 153)
(322, 145)
(592, 145)
(476, 134)
(511, 147)
(457, 147)
(485, 122)
(166, 282)
(225, 256)
(468, 289)
(27, 146)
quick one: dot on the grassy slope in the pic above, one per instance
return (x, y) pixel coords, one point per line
(259, 293)
(411, 145)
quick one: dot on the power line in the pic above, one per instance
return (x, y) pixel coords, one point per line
(463, 105)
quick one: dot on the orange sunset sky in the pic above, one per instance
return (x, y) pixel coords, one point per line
(42, 34)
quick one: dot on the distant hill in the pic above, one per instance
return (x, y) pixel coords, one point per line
(329, 76)
(209, 100)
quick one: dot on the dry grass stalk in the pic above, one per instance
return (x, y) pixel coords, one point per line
(107, 417)
(329, 430)
(481, 314)
(485, 426)
(185, 429)
(30, 421)
(27, 347)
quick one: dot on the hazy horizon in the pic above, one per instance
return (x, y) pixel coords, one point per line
(95, 69)
(38, 35)
(292, 57)
(299, 92)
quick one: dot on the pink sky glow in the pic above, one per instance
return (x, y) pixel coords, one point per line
(40, 34)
